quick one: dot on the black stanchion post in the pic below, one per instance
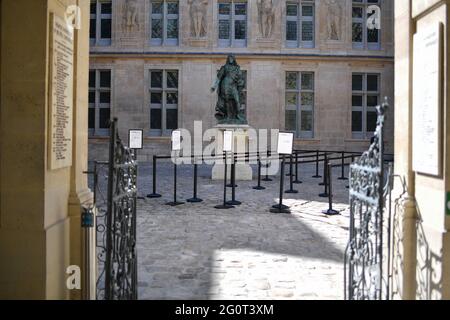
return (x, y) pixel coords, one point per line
(296, 181)
(259, 187)
(291, 172)
(224, 205)
(174, 202)
(267, 167)
(317, 166)
(280, 207)
(325, 160)
(343, 177)
(330, 210)
(233, 200)
(353, 160)
(195, 199)
(154, 194)
(291, 177)
(326, 180)
(232, 184)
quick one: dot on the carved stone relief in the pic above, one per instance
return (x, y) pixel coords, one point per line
(130, 16)
(266, 17)
(197, 10)
(334, 16)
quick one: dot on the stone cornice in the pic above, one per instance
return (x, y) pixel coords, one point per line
(163, 54)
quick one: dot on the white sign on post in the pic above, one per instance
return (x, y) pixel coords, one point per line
(427, 115)
(135, 139)
(176, 140)
(285, 142)
(228, 141)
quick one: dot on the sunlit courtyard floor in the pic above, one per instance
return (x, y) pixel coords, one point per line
(194, 251)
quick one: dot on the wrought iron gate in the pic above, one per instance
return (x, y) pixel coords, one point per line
(120, 267)
(368, 250)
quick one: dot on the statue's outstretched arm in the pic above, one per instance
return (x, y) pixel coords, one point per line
(218, 79)
(215, 85)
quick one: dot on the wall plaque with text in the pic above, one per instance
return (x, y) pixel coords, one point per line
(427, 115)
(60, 94)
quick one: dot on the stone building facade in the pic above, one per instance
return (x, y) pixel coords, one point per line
(317, 68)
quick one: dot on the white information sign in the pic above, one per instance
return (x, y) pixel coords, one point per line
(427, 116)
(285, 142)
(228, 141)
(176, 140)
(135, 139)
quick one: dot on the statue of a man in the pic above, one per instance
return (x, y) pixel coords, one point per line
(266, 17)
(229, 85)
(131, 15)
(334, 13)
(198, 17)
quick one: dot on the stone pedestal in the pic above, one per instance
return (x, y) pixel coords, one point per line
(240, 146)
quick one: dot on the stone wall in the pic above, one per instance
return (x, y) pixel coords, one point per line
(266, 60)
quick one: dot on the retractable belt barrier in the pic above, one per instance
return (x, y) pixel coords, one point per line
(299, 157)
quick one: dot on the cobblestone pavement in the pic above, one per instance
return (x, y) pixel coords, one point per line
(194, 251)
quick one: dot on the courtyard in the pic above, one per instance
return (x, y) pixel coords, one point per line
(194, 251)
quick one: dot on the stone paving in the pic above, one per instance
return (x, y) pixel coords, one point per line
(194, 251)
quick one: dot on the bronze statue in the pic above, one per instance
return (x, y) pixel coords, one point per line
(229, 85)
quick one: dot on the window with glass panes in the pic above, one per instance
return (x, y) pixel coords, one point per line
(99, 101)
(163, 101)
(232, 23)
(300, 24)
(365, 99)
(299, 111)
(362, 36)
(164, 22)
(100, 24)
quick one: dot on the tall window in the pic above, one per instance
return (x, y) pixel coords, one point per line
(163, 101)
(99, 101)
(365, 98)
(362, 36)
(232, 23)
(300, 24)
(299, 117)
(100, 26)
(164, 23)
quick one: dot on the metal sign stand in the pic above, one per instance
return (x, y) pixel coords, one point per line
(224, 205)
(285, 146)
(194, 198)
(227, 147)
(176, 147)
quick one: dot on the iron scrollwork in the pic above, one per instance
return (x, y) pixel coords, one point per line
(367, 253)
(121, 257)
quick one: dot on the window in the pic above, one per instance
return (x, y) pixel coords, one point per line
(232, 24)
(300, 24)
(362, 36)
(164, 23)
(299, 116)
(100, 26)
(365, 99)
(99, 101)
(163, 101)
